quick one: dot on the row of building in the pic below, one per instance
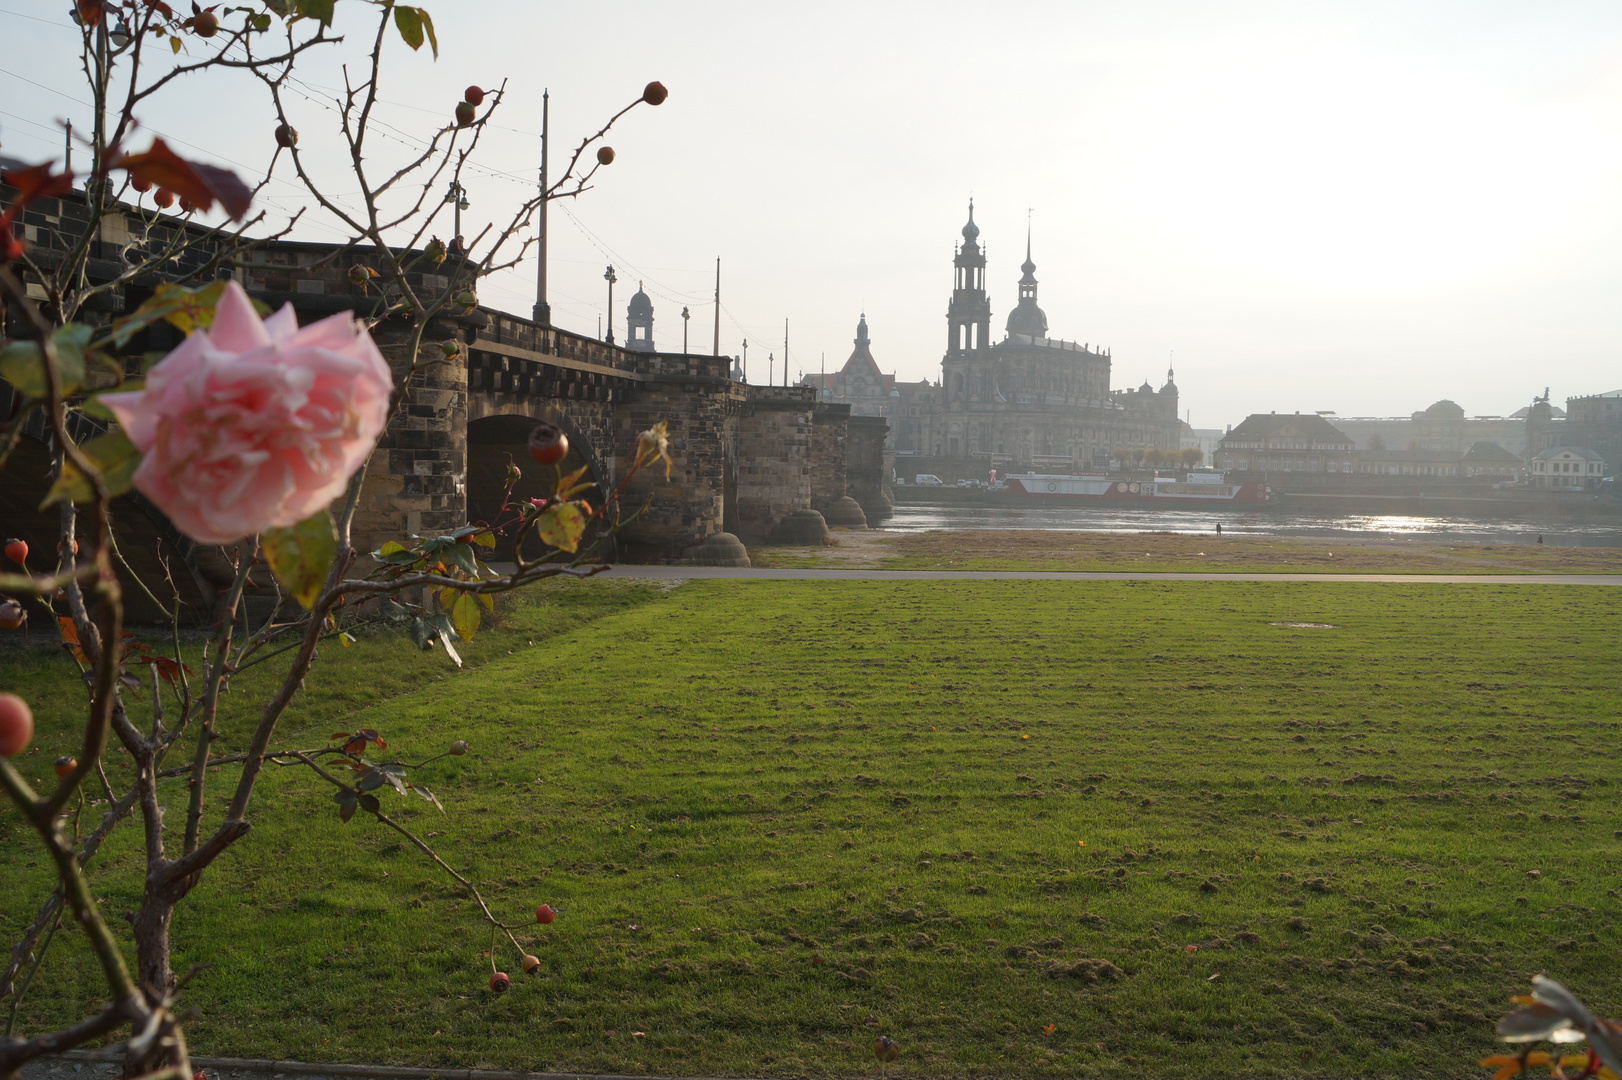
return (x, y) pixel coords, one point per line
(1573, 449)
(1030, 401)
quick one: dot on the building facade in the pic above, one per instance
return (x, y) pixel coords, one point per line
(1029, 401)
(1287, 443)
(1567, 468)
(909, 406)
(1594, 421)
(1442, 426)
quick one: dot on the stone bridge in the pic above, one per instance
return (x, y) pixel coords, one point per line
(746, 457)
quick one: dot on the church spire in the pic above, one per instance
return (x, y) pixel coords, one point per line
(1027, 318)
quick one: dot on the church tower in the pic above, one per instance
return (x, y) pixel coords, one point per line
(639, 322)
(1027, 318)
(968, 316)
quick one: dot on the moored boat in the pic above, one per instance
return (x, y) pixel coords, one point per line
(1198, 488)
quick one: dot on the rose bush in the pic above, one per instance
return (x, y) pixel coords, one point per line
(255, 424)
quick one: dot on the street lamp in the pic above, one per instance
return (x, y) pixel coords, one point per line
(685, 315)
(608, 276)
(457, 197)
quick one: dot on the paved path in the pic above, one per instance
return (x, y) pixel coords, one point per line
(689, 572)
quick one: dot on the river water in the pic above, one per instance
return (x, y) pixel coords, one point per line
(1606, 532)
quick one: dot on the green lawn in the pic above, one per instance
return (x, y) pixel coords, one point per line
(998, 813)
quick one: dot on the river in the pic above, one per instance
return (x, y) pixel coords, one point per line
(1270, 522)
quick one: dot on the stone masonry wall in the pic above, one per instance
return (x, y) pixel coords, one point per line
(772, 436)
(864, 466)
(829, 425)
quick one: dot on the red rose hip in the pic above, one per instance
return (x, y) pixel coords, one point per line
(532, 964)
(17, 551)
(605, 155)
(17, 729)
(655, 93)
(548, 445)
(499, 982)
(545, 914)
(473, 96)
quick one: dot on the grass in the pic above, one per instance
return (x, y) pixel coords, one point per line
(998, 813)
(1041, 549)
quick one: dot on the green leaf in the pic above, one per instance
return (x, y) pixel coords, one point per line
(261, 22)
(370, 804)
(408, 20)
(422, 634)
(485, 539)
(22, 366)
(346, 804)
(299, 556)
(561, 525)
(113, 455)
(429, 795)
(372, 781)
(312, 9)
(488, 601)
(390, 547)
(465, 616)
(428, 25)
(462, 556)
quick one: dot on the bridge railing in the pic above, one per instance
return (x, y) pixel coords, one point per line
(520, 333)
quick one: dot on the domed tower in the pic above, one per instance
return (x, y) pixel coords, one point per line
(968, 316)
(1168, 397)
(639, 322)
(1027, 318)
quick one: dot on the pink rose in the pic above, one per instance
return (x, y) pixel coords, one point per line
(253, 424)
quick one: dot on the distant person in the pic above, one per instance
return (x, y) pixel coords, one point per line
(1219, 528)
(1540, 539)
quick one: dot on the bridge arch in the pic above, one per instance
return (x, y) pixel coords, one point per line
(498, 434)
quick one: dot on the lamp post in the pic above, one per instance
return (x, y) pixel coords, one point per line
(608, 276)
(457, 197)
(685, 315)
(109, 43)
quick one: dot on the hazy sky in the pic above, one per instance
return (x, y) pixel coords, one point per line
(1352, 206)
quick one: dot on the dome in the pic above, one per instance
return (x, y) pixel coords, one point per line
(1445, 410)
(971, 231)
(1028, 319)
(640, 303)
(1146, 388)
(895, 393)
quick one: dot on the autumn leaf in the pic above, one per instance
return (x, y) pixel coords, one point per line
(465, 616)
(561, 525)
(70, 638)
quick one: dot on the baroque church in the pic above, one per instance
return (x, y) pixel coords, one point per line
(1030, 401)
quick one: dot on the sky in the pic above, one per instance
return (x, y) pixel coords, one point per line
(1298, 205)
